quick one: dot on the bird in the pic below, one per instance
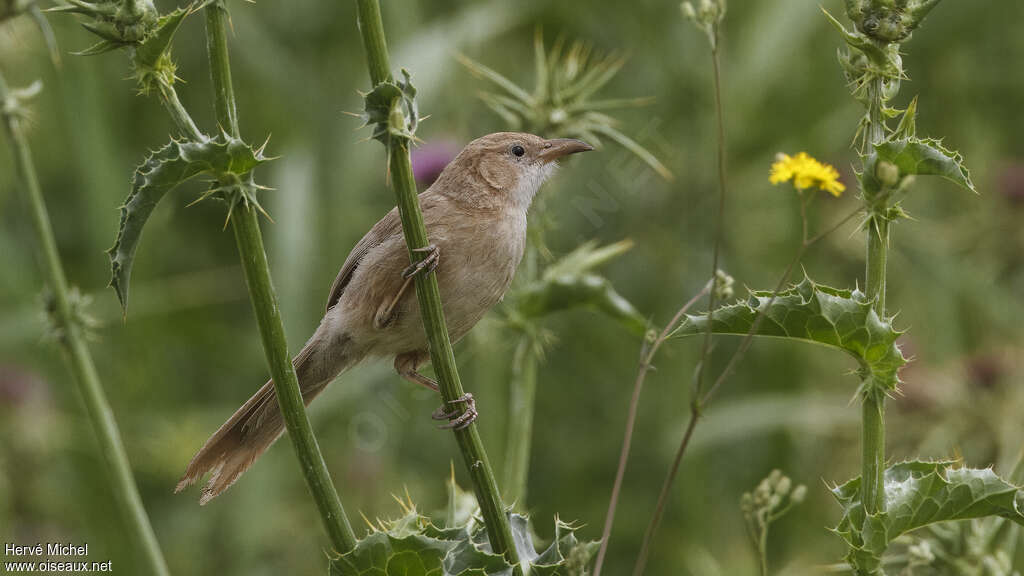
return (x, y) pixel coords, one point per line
(475, 215)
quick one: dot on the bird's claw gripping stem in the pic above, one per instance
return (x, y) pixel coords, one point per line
(457, 420)
(425, 265)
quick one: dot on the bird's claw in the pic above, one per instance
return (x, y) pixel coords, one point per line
(427, 264)
(457, 420)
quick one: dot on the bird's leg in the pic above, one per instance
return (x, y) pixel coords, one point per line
(384, 314)
(417, 378)
(428, 263)
(406, 365)
(383, 317)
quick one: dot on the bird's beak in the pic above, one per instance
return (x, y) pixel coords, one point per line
(558, 147)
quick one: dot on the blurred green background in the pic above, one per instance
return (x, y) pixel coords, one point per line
(189, 353)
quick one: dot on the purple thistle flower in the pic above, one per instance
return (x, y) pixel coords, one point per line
(430, 159)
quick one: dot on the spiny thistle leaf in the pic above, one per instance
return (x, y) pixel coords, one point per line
(913, 156)
(413, 546)
(390, 108)
(918, 494)
(223, 158)
(150, 53)
(815, 313)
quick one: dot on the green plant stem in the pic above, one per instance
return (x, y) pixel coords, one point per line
(873, 407)
(441, 355)
(522, 392)
(72, 340)
(180, 116)
(762, 548)
(220, 67)
(522, 399)
(245, 223)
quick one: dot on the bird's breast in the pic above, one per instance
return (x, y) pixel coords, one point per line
(479, 257)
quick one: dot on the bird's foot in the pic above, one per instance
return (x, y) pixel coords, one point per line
(457, 420)
(427, 264)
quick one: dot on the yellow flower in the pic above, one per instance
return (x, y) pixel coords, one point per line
(805, 172)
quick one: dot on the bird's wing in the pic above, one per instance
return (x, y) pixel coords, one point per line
(385, 228)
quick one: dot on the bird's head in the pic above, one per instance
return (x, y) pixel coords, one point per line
(504, 168)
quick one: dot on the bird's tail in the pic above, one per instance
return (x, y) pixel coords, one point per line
(258, 423)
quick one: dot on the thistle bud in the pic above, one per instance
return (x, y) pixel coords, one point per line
(886, 20)
(887, 173)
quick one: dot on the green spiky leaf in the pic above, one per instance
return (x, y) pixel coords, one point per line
(818, 314)
(918, 494)
(413, 546)
(153, 48)
(223, 158)
(913, 156)
(390, 109)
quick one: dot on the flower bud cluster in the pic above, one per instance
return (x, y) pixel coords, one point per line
(723, 286)
(707, 16)
(772, 498)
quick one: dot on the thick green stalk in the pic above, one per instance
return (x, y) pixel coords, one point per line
(72, 339)
(441, 355)
(522, 392)
(245, 222)
(873, 408)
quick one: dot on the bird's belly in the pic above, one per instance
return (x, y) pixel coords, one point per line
(471, 282)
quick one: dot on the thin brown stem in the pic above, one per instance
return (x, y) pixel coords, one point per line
(706, 347)
(659, 509)
(647, 354)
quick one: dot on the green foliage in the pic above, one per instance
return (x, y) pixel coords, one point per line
(152, 58)
(815, 313)
(913, 157)
(118, 23)
(390, 108)
(134, 24)
(229, 161)
(918, 494)
(413, 546)
(569, 283)
(561, 102)
(888, 20)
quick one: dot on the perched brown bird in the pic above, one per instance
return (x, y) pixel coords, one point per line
(475, 215)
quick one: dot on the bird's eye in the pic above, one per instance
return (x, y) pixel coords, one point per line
(518, 151)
